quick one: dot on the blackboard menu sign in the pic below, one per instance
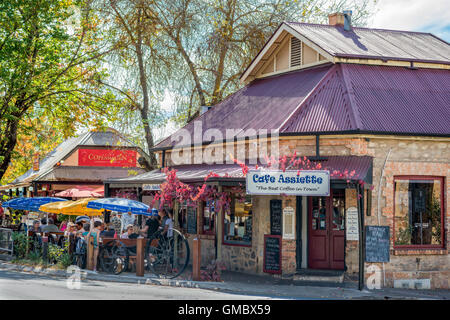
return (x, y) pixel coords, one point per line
(377, 244)
(191, 220)
(272, 254)
(275, 217)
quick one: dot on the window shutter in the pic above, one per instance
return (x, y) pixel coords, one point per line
(296, 52)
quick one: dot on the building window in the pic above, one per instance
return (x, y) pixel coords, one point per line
(187, 217)
(238, 222)
(418, 213)
(182, 217)
(209, 217)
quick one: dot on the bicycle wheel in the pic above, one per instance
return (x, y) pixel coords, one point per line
(168, 257)
(106, 258)
(114, 258)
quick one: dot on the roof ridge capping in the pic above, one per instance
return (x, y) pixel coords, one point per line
(361, 28)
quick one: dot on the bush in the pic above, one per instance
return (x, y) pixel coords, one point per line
(65, 260)
(55, 253)
(35, 257)
(21, 243)
(59, 256)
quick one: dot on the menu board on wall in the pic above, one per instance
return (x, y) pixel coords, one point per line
(275, 217)
(288, 223)
(351, 224)
(272, 254)
(377, 244)
(191, 220)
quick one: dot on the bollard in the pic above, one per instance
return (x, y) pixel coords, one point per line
(90, 254)
(140, 248)
(196, 258)
(45, 248)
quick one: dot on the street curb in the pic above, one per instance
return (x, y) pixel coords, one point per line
(89, 275)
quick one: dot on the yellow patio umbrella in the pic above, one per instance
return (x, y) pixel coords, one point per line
(74, 208)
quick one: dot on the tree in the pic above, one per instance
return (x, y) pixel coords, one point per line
(193, 49)
(49, 69)
(132, 32)
(218, 38)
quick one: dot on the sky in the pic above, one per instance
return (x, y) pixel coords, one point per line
(431, 16)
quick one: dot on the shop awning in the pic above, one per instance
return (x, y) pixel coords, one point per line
(341, 168)
(82, 192)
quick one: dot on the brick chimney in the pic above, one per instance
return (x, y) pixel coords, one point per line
(341, 19)
(336, 19)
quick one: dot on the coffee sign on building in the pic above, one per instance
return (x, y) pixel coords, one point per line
(289, 182)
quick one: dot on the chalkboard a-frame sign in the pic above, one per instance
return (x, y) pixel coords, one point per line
(272, 254)
(275, 217)
(377, 244)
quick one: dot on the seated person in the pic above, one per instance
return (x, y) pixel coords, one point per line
(108, 232)
(129, 234)
(151, 226)
(36, 226)
(50, 227)
(70, 230)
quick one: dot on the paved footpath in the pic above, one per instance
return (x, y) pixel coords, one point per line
(237, 285)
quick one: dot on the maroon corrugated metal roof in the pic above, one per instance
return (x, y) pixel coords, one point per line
(377, 99)
(340, 167)
(375, 43)
(263, 104)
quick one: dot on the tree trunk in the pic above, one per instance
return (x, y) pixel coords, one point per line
(7, 144)
(145, 106)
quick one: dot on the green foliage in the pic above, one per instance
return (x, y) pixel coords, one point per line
(436, 216)
(55, 253)
(21, 243)
(59, 256)
(404, 236)
(35, 257)
(64, 260)
(49, 76)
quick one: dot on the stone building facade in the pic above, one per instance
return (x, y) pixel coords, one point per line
(384, 117)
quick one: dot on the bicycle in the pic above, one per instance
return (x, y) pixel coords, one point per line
(164, 257)
(167, 257)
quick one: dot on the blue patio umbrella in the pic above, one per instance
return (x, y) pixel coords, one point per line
(33, 204)
(10, 203)
(120, 205)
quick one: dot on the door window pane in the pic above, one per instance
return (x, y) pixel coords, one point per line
(338, 210)
(209, 217)
(418, 212)
(319, 213)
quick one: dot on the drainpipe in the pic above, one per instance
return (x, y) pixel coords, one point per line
(360, 192)
(317, 146)
(317, 157)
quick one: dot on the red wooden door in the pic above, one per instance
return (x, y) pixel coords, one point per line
(326, 231)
